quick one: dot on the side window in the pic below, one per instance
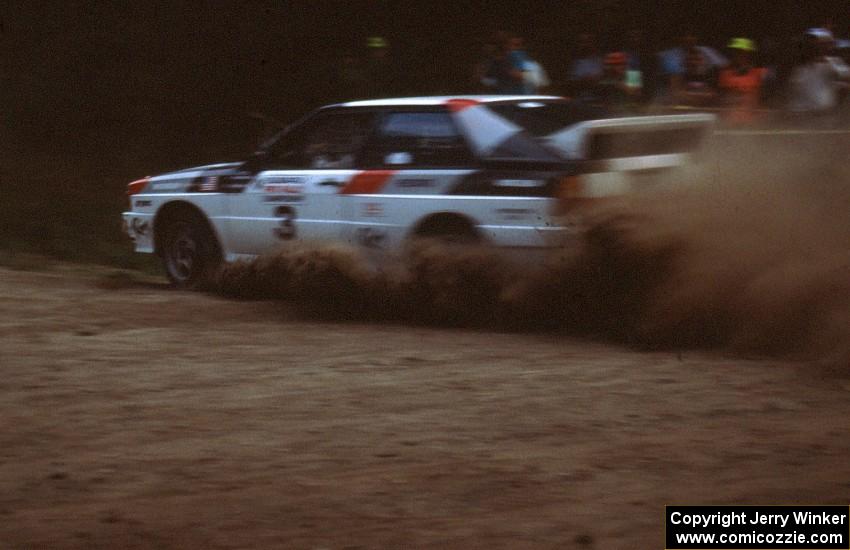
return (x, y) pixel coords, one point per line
(331, 140)
(421, 139)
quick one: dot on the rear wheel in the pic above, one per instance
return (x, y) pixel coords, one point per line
(190, 254)
(448, 230)
(439, 238)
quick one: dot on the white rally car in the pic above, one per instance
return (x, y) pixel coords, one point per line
(379, 173)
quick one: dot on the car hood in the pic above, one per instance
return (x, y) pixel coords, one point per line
(223, 167)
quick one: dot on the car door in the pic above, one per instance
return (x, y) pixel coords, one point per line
(295, 192)
(413, 159)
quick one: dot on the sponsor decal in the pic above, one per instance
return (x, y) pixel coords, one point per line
(289, 188)
(282, 198)
(169, 186)
(292, 182)
(370, 237)
(284, 188)
(372, 210)
(142, 203)
(514, 213)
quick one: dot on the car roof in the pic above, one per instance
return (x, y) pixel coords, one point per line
(442, 100)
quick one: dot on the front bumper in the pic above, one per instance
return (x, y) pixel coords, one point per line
(139, 227)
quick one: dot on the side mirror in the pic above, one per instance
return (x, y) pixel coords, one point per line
(394, 159)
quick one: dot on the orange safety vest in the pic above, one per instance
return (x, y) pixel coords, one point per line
(744, 90)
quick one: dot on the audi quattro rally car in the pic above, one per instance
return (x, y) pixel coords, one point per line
(378, 173)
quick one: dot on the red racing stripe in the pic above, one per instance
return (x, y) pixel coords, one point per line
(136, 187)
(455, 105)
(367, 183)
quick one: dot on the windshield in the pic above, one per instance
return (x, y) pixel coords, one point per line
(543, 118)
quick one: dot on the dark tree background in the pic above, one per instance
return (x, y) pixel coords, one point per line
(166, 84)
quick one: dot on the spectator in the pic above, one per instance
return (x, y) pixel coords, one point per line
(619, 87)
(351, 81)
(774, 61)
(836, 54)
(673, 62)
(695, 87)
(842, 49)
(816, 83)
(381, 77)
(634, 50)
(510, 66)
(740, 83)
(514, 72)
(485, 75)
(841, 46)
(587, 69)
(638, 62)
(535, 78)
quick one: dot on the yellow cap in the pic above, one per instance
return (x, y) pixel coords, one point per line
(376, 42)
(742, 44)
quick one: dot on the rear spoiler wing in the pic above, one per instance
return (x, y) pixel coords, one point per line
(633, 143)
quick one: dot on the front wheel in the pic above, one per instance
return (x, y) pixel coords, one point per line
(190, 255)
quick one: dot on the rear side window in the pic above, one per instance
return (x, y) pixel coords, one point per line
(542, 118)
(421, 139)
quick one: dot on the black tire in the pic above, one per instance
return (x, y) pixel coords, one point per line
(441, 237)
(190, 253)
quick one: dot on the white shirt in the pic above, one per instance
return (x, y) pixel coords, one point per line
(814, 86)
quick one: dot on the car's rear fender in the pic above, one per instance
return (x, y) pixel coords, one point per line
(509, 222)
(447, 225)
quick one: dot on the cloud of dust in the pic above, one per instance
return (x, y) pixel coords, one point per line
(758, 256)
(750, 250)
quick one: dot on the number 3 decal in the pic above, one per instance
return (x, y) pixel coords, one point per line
(286, 227)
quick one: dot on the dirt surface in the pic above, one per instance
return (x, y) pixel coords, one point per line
(144, 417)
